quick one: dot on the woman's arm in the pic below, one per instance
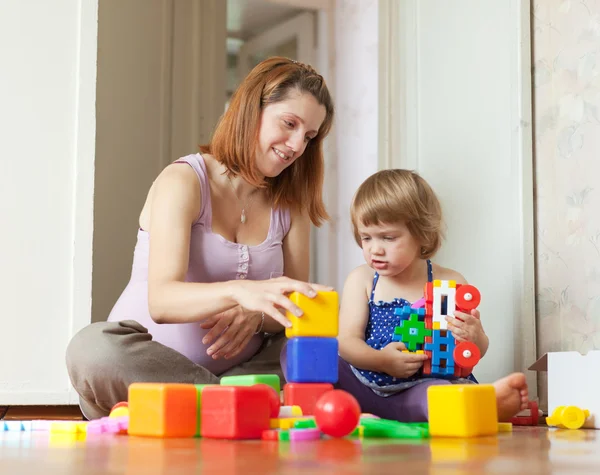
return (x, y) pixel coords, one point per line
(296, 257)
(354, 315)
(175, 204)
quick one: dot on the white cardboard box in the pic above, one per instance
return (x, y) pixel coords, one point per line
(573, 380)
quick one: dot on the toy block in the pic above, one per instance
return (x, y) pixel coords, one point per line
(304, 434)
(413, 332)
(531, 419)
(289, 422)
(163, 410)
(312, 360)
(320, 317)
(444, 301)
(473, 410)
(199, 390)
(468, 297)
(568, 417)
(435, 325)
(235, 412)
(307, 423)
(504, 427)
(442, 353)
(284, 435)
(270, 434)
(304, 395)
(290, 411)
(252, 379)
(383, 428)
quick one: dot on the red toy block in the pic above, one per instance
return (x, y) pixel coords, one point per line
(304, 395)
(530, 420)
(235, 412)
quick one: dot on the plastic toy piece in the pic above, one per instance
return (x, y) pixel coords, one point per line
(65, 427)
(270, 435)
(312, 360)
(290, 411)
(444, 303)
(162, 410)
(284, 435)
(320, 317)
(304, 395)
(235, 412)
(121, 409)
(568, 417)
(442, 353)
(386, 429)
(504, 427)
(308, 423)
(337, 413)
(462, 410)
(468, 297)
(304, 434)
(531, 420)
(251, 379)
(199, 389)
(290, 422)
(412, 332)
(466, 354)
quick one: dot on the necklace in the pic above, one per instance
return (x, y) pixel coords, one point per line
(243, 218)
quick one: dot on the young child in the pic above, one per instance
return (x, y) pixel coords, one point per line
(397, 220)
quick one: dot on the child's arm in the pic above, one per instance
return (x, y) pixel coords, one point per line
(354, 315)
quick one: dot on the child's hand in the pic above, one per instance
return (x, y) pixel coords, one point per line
(467, 327)
(398, 364)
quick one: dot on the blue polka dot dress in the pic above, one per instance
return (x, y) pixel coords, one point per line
(380, 332)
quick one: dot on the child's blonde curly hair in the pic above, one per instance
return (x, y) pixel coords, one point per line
(400, 196)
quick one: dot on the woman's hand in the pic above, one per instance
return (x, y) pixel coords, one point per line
(232, 330)
(269, 296)
(398, 364)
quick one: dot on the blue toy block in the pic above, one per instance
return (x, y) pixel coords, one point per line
(406, 312)
(442, 349)
(312, 360)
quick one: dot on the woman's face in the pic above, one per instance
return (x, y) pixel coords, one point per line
(286, 127)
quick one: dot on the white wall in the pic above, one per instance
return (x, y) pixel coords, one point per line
(356, 100)
(464, 117)
(47, 94)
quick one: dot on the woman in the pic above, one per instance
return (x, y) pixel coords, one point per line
(223, 239)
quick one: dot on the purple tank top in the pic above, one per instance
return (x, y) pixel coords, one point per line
(212, 259)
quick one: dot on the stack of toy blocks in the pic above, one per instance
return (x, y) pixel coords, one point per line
(312, 350)
(424, 329)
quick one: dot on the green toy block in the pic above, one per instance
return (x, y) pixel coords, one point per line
(199, 389)
(284, 435)
(305, 424)
(412, 332)
(251, 379)
(386, 429)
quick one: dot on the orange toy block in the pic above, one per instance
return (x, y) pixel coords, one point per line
(304, 395)
(320, 317)
(163, 410)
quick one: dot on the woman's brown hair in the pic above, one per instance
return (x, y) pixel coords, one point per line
(300, 185)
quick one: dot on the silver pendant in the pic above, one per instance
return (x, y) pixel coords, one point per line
(243, 216)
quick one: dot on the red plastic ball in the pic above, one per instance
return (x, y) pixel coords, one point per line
(274, 402)
(337, 413)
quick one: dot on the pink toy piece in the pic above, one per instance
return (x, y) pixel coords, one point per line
(95, 428)
(41, 425)
(305, 434)
(419, 303)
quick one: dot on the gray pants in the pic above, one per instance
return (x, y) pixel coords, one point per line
(104, 358)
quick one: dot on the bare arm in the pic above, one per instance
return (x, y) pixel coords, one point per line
(296, 258)
(175, 206)
(354, 315)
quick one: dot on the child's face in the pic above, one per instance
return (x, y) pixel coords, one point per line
(388, 248)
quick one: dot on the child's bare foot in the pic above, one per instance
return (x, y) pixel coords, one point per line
(512, 395)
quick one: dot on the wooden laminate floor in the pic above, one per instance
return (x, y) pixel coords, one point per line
(527, 450)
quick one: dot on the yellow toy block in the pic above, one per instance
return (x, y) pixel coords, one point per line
(288, 423)
(320, 316)
(274, 423)
(504, 427)
(462, 410)
(436, 325)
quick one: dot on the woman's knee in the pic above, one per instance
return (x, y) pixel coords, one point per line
(98, 348)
